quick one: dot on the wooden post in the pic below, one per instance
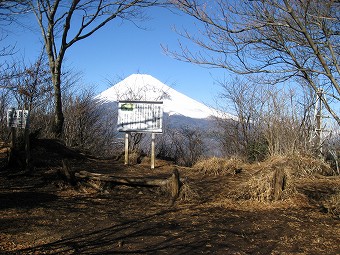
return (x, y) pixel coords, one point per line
(13, 135)
(152, 150)
(126, 161)
(11, 157)
(27, 140)
(27, 149)
(319, 121)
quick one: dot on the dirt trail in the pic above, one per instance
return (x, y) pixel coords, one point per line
(39, 214)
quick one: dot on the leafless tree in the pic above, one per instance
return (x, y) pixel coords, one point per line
(7, 16)
(187, 145)
(5, 99)
(281, 39)
(63, 23)
(88, 126)
(9, 9)
(271, 121)
(30, 88)
(165, 147)
(30, 85)
(246, 100)
(280, 122)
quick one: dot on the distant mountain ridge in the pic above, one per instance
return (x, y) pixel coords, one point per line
(147, 88)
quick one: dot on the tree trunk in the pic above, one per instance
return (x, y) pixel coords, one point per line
(27, 149)
(12, 152)
(58, 108)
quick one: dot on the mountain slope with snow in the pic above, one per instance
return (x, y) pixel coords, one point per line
(147, 88)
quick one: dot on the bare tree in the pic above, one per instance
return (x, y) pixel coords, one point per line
(271, 121)
(88, 126)
(30, 85)
(282, 39)
(187, 145)
(8, 10)
(5, 99)
(245, 100)
(63, 23)
(281, 122)
(7, 16)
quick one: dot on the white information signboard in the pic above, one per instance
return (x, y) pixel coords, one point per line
(140, 116)
(17, 118)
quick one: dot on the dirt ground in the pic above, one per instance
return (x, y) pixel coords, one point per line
(41, 214)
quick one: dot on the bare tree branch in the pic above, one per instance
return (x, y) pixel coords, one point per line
(281, 39)
(63, 23)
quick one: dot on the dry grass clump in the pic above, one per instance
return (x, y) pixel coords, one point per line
(134, 158)
(219, 166)
(271, 180)
(4, 148)
(266, 185)
(187, 193)
(301, 165)
(308, 165)
(275, 178)
(332, 204)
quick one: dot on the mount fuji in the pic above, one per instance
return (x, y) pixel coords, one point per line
(144, 87)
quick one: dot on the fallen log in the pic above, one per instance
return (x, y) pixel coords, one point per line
(173, 183)
(131, 181)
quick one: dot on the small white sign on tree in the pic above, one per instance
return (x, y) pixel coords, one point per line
(17, 118)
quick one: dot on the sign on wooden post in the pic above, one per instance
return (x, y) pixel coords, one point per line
(140, 117)
(17, 118)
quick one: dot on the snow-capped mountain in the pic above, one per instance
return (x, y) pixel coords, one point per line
(147, 88)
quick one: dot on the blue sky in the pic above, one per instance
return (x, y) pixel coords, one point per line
(121, 49)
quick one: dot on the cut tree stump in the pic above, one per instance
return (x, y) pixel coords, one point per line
(279, 183)
(67, 173)
(175, 186)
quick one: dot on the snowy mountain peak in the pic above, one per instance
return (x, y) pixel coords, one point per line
(144, 87)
